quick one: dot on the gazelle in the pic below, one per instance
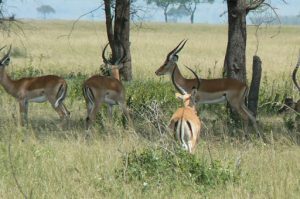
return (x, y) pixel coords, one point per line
(103, 89)
(210, 91)
(288, 102)
(185, 123)
(35, 89)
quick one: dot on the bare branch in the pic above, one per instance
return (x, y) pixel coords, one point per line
(254, 5)
(75, 22)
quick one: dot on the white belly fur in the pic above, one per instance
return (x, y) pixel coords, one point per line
(39, 99)
(213, 101)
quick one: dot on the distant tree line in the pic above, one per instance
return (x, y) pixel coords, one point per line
(178, 8)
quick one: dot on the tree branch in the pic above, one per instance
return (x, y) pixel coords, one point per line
(253, 5)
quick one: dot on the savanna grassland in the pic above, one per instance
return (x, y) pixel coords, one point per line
(50, 162)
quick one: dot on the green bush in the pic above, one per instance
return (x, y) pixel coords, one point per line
(159, 167)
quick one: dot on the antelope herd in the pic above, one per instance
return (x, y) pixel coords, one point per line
(98, 90)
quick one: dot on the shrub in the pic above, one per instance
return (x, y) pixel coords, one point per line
(158, 168)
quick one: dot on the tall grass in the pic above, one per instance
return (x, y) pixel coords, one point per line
(51, 162)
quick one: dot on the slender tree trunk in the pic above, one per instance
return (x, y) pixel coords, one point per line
(109, 23)
(165, 14)
(255, 84)
(122, 30)
(235, 59)
(119, 32)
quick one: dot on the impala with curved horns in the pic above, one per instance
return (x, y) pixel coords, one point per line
(100, 89)
(185, 122)
(35, 89)
(210, 91)
(289, 102)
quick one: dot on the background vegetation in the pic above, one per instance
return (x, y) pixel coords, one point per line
(144, 162)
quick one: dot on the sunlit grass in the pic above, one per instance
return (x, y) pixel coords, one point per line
(56, 163)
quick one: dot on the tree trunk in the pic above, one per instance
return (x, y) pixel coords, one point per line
(122, 33)
(119, 33)
(192, 18)
(165, 14)
(255, 84)
(235, 59)
(109, 26)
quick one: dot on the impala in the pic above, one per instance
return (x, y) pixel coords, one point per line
(103, 89)
(35, 89)
(185, 123)
(210, 91)
(288, 102)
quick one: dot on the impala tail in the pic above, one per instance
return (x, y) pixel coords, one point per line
(88, 94)
(184, 134)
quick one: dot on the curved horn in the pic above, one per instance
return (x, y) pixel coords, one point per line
(295, 72)
(198, 85)
(2, 47)
(6, 56)
(177, 51)
(172, 51)
(122, 59)
(183, 92)
(103, 55)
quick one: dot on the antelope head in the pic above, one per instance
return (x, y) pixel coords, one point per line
(171, 60)
(189, 99)
(118, 64)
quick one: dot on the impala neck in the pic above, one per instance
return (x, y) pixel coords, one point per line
(180, 80)
(7, 83)
(115, 73)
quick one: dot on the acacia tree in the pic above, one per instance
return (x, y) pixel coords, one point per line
(191, 6)
(164, 4)
(45, 10)
(235, 58)
(118, 32)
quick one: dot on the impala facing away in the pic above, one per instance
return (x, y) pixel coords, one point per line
(103, 89)
(210, 91)
(35, 89)
(288, 102)
(185, 122)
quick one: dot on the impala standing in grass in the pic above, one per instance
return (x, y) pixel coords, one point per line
(35, 89)
(185, 122)
(210, 91)
(100, 89)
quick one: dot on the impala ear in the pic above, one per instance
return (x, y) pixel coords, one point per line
(174, 58)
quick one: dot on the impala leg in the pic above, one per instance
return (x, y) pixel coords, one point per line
(126, 113)
(252, 119)
(110, 113)
(63, 113)
(60, 109)
(23, 112)
(91, 115)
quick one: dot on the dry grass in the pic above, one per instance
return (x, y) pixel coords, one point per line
(55, 163)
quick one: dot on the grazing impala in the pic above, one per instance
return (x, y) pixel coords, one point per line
(103, 89)
(35, 89)
(185, 123)
(288, 102)
(210, 91)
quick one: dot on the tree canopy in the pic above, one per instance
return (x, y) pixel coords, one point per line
(45, 10)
